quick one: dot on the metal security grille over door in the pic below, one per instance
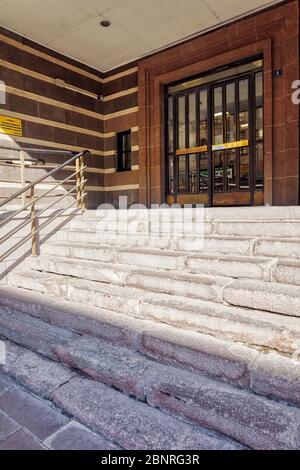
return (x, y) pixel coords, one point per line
(215, 138)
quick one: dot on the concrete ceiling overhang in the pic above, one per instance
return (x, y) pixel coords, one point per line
(138, 27)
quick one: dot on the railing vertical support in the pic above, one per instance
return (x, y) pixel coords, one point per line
(82, 183)
(33, 223)
(22, 168)
(78, 181)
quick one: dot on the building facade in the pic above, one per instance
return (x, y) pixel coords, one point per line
(210, 120)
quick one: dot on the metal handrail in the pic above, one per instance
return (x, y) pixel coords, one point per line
(41, 179)
(78, 190)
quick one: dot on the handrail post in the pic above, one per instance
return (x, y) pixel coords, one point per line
(33, 223)
(82, 183)
(22, 168)
(78, 181)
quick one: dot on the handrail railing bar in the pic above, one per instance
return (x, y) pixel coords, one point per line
(28, 237)
(39, 213)
(58, 200)
(7, 219)
(39, 180)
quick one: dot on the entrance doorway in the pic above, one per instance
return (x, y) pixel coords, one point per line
(214, 138)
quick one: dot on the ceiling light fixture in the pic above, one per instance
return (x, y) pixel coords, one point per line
(105, 23)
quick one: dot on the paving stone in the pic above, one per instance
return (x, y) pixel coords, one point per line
(109, 364)
(21, 440)
(74, 436)
(258, 422)
(33, 333)
(131, 424)
(37, 374)
(7, 426)
(35, 415)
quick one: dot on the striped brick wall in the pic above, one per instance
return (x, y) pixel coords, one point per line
(120, 91)
(56, 117)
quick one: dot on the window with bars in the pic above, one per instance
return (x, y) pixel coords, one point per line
(124, 151)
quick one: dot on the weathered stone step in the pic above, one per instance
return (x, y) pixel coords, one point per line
(211, 243)
(82, 269)
(288, 272)
(173, 283)
(269, 374)
(255, 421)
(132, 424)
(112, 297)
(134, 284)
(252, 327)
(235, 266)
(253, 213)
(128, 226)
(112, 254)
(250, 213)
(278, 247)
(223, 360)
(33, 333)
(204, 354)
(258, 229)
(239, 324)
(269, 296)
(34, 372)
(213, 264)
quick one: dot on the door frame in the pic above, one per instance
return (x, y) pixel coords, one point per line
(213, 198)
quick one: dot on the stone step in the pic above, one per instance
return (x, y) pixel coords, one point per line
(223, 360)
(122, 359)
(269, 296)
(131, 424)
(212, 244)
(131, 372)
(226, 321)
(280, 248)
(33, 333)
(82, 269)
(167, 282)
(44, 377)
(213, 264)
(288, 272)
(265, 228)
(111, 297)
(112, 254)
(252, 213)
(179, 332)
(235, 266)
(143, 227)
(255, 421)
(34, 372)
(238, 227)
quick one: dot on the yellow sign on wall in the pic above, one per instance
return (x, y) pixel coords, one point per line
(10, 126)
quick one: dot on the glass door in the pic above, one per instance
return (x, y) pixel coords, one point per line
(215, 141)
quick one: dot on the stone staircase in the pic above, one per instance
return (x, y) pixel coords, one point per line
(202, 335)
